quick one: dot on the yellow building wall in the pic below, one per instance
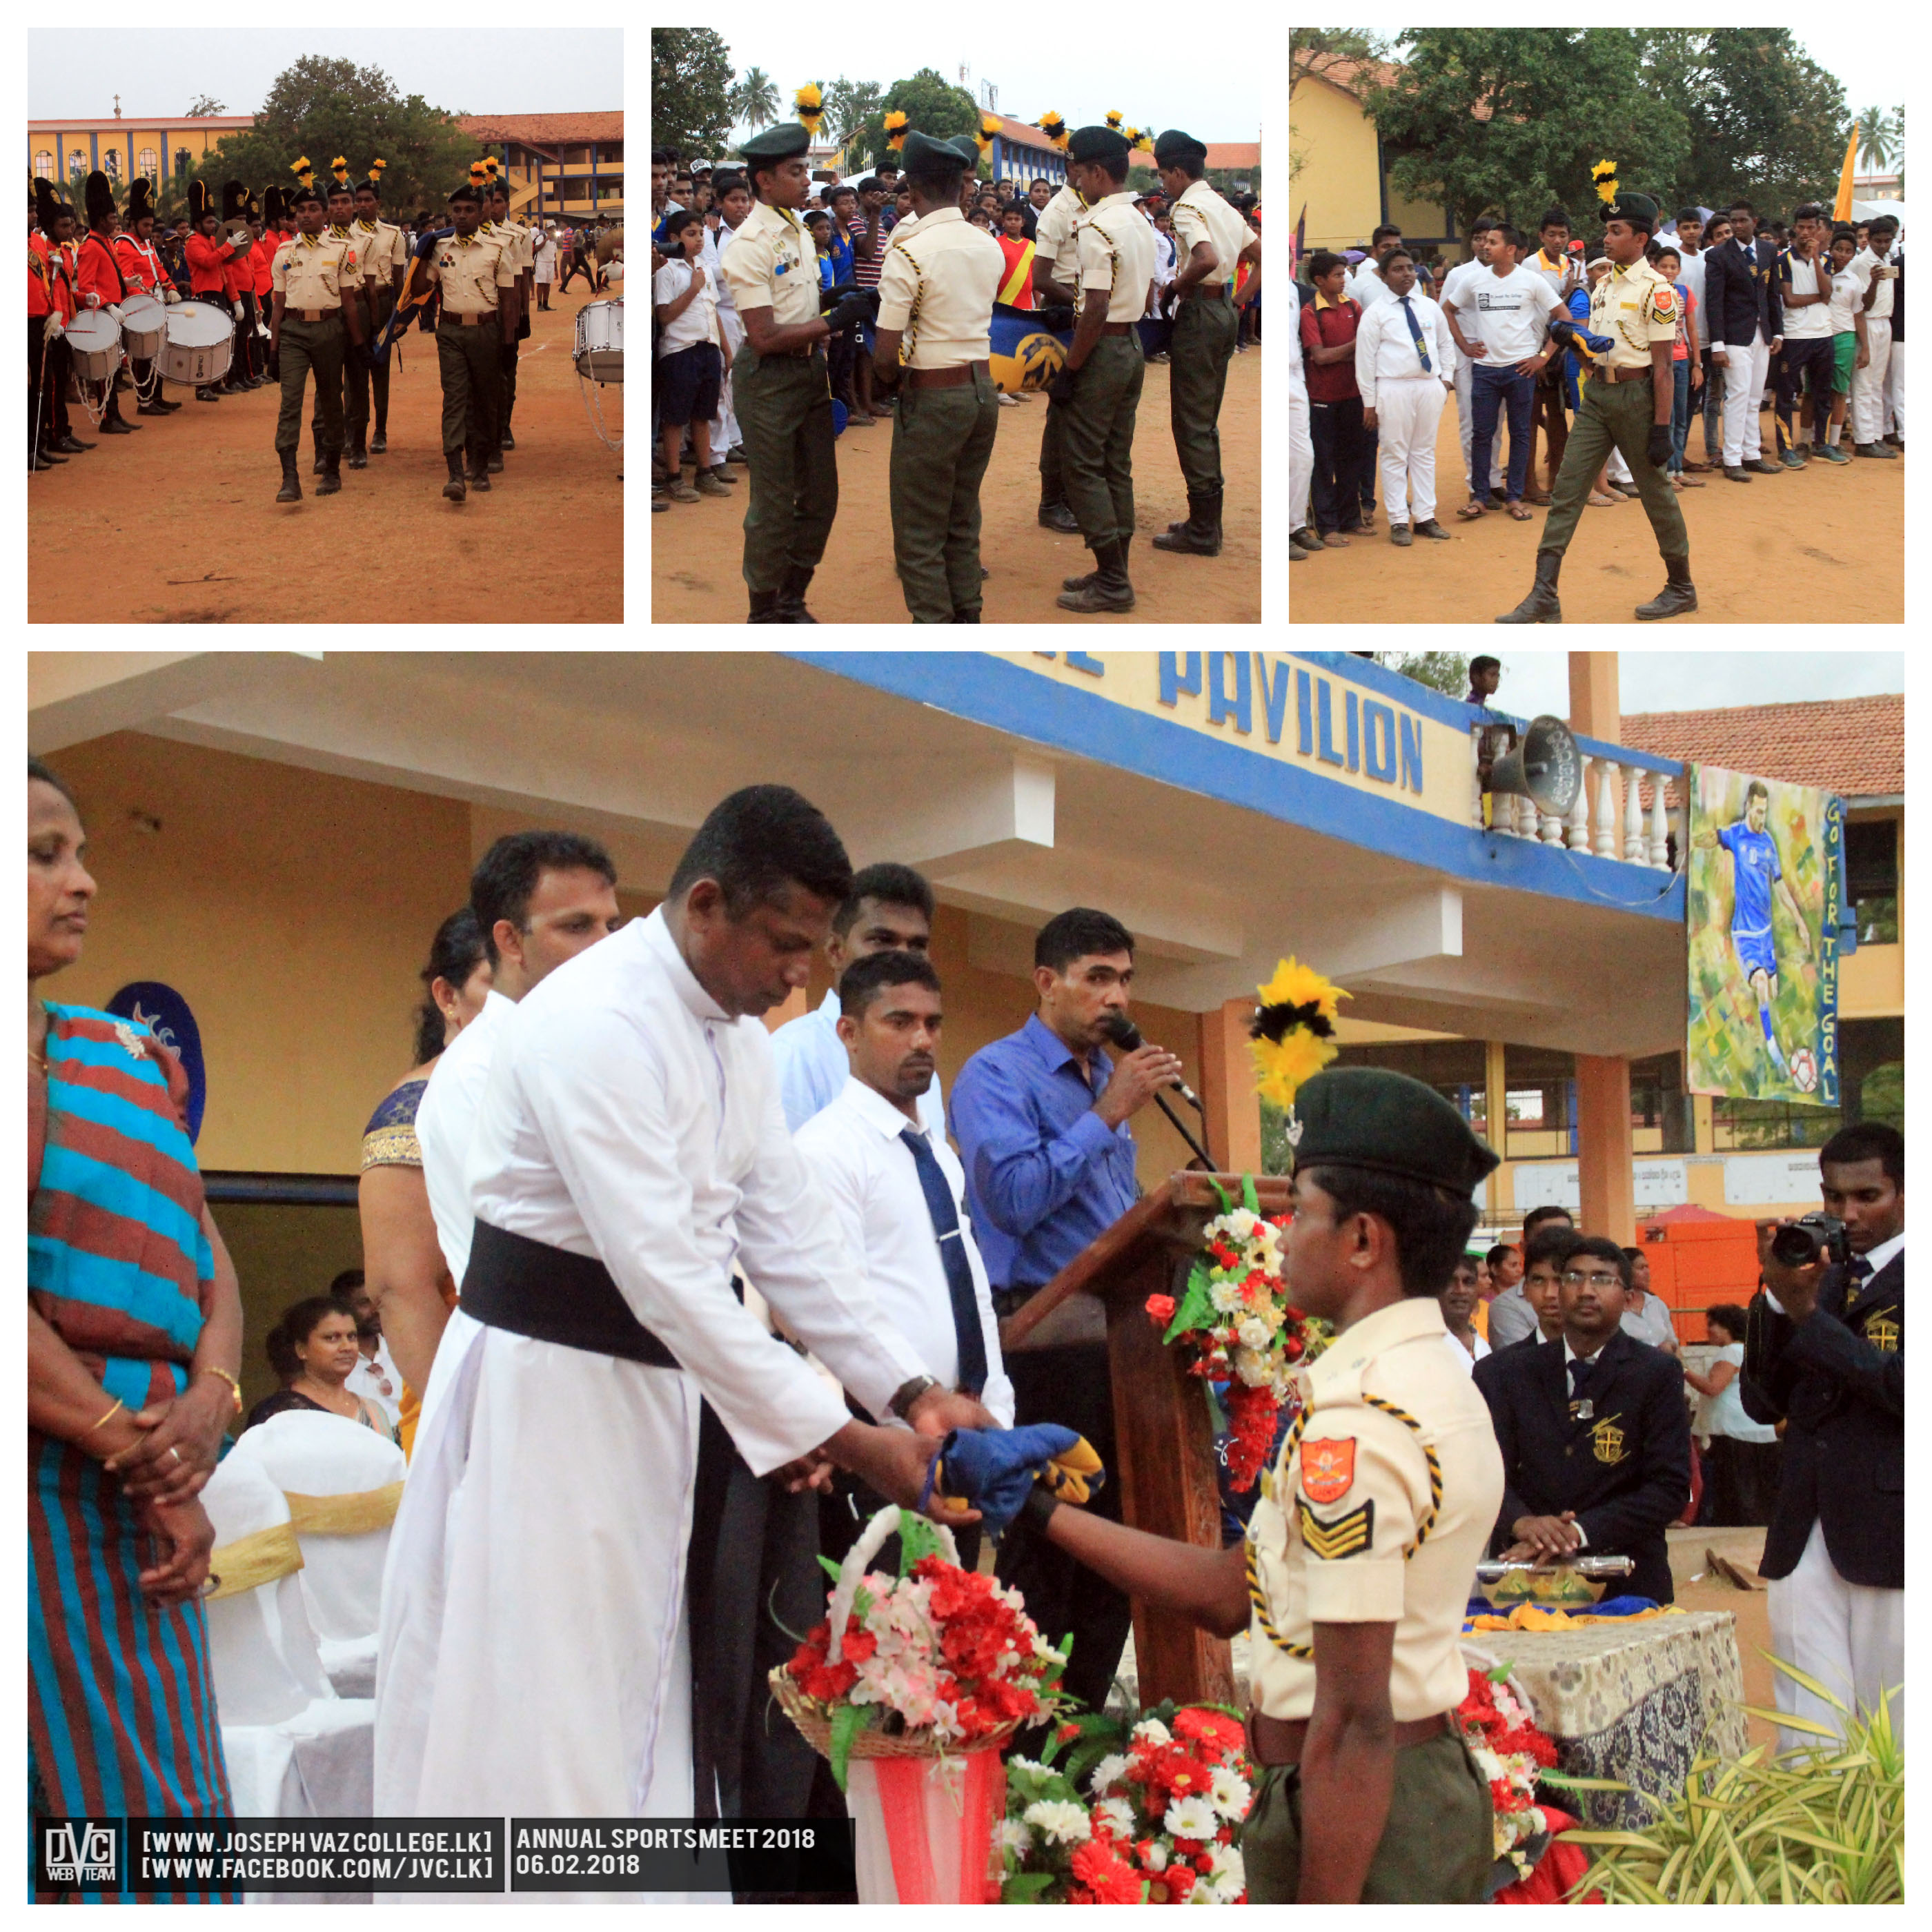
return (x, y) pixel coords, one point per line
(128, 140)
(1336, 179)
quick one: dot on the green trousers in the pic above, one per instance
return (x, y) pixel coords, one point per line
(1198, 355)
(357, 380)
(1052, 462)
(307, 347)
(942, 442)
(1435, 1849)
(1618, 415)
(785, 415)
(466, 359)
(1097, 432)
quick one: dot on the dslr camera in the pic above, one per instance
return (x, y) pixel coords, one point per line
(1811, 1237)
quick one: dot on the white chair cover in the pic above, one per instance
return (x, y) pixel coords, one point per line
(310, 1454)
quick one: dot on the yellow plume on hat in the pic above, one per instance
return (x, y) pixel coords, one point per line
(898, 125)
(1604, 174)
(809, 104)
(490, 166)
(1292, 1037)
(990, 124)
(302, 169)
(377, 166)
(1114, 119)
(339, 167)
(1133, 136)
(479, 174)
(1050, 124)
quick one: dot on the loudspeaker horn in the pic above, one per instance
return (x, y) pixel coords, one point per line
(1547, 768)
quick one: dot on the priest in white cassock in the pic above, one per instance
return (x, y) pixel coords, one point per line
(630, 1148)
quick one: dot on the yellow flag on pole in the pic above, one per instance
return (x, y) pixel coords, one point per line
(1841, 209)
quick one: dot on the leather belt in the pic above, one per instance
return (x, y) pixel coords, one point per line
(1607, 374)
(469, 321)
(1279, 1740)
(1206, 291)
(551, 1295)
(1115, 327)
(944, 379)
(312, 314)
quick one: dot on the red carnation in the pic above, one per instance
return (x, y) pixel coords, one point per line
(1161, 1307)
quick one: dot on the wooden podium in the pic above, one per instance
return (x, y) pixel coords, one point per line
(1164, 1445)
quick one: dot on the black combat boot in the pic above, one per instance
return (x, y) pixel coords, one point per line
(331, 474)
(1677, 596)
(1200, 535)
(765, 608)
(454, 489)
(291, 490)
(1540, 606)
(478, 471)
(791, 596)
(1093, 577)
(379, 444)
(1109, 590)
(1056, 516)
(358, 453)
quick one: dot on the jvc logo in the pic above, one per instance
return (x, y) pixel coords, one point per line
(79, 1851)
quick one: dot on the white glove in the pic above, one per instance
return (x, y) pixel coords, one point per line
(114, 311)
(93, 300)
(173, 294)
(53, 332)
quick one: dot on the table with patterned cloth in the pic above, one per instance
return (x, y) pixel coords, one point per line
(1634, 1701)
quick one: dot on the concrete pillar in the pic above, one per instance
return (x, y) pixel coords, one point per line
(1234, 1135)
(1603, 1148)
(1496, 1112)
(1595, 698)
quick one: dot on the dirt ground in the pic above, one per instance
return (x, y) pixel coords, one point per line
(178, 523)
(696, 547)
(1847, 522)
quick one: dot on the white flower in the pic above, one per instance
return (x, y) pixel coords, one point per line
(1014, 1837)
(1227, 1297)
(1152, 1731)
(1156, 1855)
(1253, 1332)
(1016, 1762)
(1254, 1368)
(1064, 1823)
(1190, 1818)
(1229, 1791)
(1230, 1874)
(1119, 1813)
(1106, 1774)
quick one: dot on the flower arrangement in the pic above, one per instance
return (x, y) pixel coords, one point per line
(1147, 1815)
(1235, 1324)
(1513, 1754)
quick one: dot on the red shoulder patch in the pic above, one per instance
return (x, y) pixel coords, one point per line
(1327, 1469)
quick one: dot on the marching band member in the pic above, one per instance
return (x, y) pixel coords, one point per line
(379, 244)
(54, 274)
(208, 260)
(237, 276)
(141, 270)
(98, 282)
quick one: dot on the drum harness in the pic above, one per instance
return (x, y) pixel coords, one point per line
(593, 407)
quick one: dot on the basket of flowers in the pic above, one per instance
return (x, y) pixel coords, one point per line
(910, 1687)
(1514, 1756)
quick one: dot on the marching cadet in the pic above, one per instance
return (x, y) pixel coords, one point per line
(51, 306)
(97, 280)
(936, 292)
(1056, 283)
(314, 279)
(1210, 239)
(477, 287)
(379, 248)
(237, 284)
(515, 238)
(1098, 390)
(141, 271)
(341, 206)
(779, 381)
(1356, 1569)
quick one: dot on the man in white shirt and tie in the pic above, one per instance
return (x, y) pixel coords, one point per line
(630, 1151)
(1405, 369)
(889, 909)
(899, 1194)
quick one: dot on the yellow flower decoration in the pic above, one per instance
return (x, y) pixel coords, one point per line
(898, 125)
(1115, 117)
(990, 125)
(300, 170)
(377, 166)
(1053, 127)
(1293, 1035)
(1604, 174)
(809, 101)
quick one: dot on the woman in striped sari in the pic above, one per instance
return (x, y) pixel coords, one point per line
(133, 1339)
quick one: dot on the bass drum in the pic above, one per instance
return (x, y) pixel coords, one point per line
(93, 340)
(143, 327)
(599, 354)
(199, 344)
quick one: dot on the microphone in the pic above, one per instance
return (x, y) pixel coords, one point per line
(1127, 1036)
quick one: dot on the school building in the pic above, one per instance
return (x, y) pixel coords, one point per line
(125, 148)
(276, 835)
(568, 166)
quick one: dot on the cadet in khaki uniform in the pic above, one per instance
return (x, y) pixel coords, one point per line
(936, 292)
(779, 382)
(1626, 405)
(478, 290)
(1098, 390)
(379, 245)
(339, 197)
(1358, 1563)
(1056, 283)
(516, 240)
(314, 278)
(1210, 238)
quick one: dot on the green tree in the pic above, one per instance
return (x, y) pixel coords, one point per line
(323, 108)
(1875, 140)
(205, 105)
(1506, 121)
(934, 105)
(755, 101)
(1446, 671)
(690, 90)
(849, 105)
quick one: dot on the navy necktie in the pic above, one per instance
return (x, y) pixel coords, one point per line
(1860, 1272)
(1581, 1372)
(939, 1203)
(1414, 329)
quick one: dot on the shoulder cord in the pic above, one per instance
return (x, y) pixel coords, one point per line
(1257, 1596)
(911, 340)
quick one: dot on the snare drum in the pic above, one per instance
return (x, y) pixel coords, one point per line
(199, 344)
(93, 340)
(599, 354)
(143, 323)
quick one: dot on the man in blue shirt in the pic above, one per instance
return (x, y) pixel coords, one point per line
(889, 909)
(1756, 874)
(1041, 1120)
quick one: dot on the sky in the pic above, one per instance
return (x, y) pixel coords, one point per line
(464, 69)
(1535, 682)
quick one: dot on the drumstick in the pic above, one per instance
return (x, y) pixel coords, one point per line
(41, 395)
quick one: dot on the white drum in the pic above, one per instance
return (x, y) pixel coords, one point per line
(200, 343)
(94, 339)
(599, 354)
(143, 324)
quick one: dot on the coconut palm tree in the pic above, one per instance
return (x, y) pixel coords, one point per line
(1875, 140)
(755, 100)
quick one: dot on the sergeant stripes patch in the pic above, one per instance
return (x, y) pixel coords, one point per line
(1346, 1535)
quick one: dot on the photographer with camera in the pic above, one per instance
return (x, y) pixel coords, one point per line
(1824, 1353)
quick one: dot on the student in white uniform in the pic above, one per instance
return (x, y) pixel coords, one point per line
(734, 206)
(1300, 442)
(1404, 370)
(630, 1151)
(1873, 270)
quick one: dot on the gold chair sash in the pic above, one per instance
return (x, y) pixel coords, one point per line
(264, 1556)
(354, 1514)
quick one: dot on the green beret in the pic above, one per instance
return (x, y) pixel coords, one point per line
(1175, 149)
(1369, 1118)
(1097, 144)
(1639, 210)
(778, 144)
(967, 148)
(928, 150)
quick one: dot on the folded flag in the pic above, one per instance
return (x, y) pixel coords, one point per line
(992, 1470)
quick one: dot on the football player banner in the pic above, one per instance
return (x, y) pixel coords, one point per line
(1764, 888)
(1025, 355)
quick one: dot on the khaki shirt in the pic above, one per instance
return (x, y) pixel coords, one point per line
(1117, 254)
(772, 264)
(1634, 306)
(1053, 236)
(1377, 1511)
(1202, 215)
(939, 287)
(470, 272)
(380, 251)
(515, 239)
(313, 272)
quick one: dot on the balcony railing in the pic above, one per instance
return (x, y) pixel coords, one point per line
(1609, 819)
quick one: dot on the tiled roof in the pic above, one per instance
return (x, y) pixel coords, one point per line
(1026, 133)
(1855, 746)
(547, 130)
(1233, 154)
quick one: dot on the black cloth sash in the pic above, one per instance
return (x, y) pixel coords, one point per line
(532, 1289)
